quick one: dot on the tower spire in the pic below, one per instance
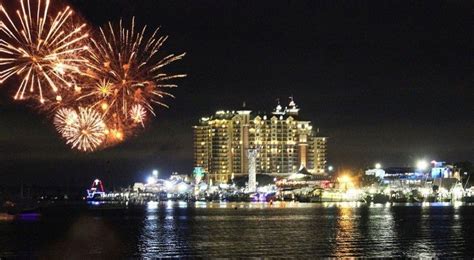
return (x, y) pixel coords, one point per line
(292, 102)
(292, 108)
(278, 108)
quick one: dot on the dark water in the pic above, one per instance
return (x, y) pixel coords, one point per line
(220, 230)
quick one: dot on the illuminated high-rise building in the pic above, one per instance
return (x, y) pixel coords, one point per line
(284, 143)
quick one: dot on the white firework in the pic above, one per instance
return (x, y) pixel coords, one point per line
(88, 132)
(65, 119)
(138, 114)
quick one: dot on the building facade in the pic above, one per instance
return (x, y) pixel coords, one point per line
(284, 143)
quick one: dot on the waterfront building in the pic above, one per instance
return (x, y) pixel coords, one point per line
(443, 170)
(377, 172)
(436, 172)
(403, 175)
(284, 143)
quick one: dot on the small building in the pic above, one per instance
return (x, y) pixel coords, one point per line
(441, 170)
(303, 178)
(403, 175)
(380, 173)
(438, 172)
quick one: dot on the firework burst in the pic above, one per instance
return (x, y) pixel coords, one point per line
(43, 50)
(86, 133)
(98, 89)
(128, 74)
(65, 120)
(138, 114)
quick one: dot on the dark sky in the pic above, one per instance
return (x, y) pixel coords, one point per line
(387, 81)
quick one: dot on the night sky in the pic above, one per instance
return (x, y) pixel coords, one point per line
(388, 82)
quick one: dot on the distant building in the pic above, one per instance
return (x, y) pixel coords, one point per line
(403, 175)
(442, 170)
(380, 173)
(283, 141)
(412, 175)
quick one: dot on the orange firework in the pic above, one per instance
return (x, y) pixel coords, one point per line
(41, 49)
(100, 89)
(127, 74)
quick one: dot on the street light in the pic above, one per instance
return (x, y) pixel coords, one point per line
(330, 168)
(422, 165)
(378, 166)
(155, 173)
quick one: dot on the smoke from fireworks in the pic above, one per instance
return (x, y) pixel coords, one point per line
(114, 80)
(41, 49)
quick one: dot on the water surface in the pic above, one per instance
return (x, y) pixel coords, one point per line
(242, 229)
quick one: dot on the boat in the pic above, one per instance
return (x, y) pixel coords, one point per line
(10, 210)
(380, 198)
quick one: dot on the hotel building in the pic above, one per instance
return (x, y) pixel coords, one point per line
(284, 143)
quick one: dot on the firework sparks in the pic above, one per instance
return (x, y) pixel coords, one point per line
(114, 80)
(65, 120)
(40, 49)
(104, 89)
(88, 132)
(128, 70)
(138, 114)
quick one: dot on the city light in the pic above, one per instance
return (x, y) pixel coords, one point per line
(424, 191)
(330, 168)
(155, 173)
(182, 187)
(422, 165)
(152, 205)
(344, 179)
(457, 192)
(169, 185)
(378, 166)
(151, 180)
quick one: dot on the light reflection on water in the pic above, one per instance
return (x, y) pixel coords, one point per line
(301, 229)
(229, 229)
(159, 234)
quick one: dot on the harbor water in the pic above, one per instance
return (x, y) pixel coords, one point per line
(282, 229)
